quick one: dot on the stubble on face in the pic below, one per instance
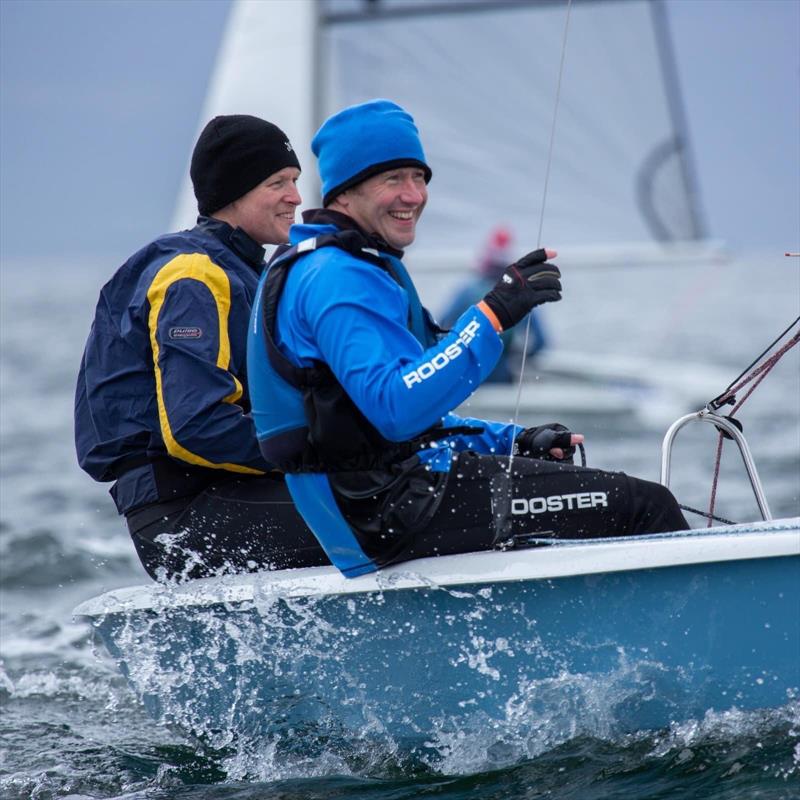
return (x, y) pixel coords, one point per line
(389, 204)
(267, 211)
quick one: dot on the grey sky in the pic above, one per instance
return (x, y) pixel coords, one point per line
(100, 103)
(101, 100)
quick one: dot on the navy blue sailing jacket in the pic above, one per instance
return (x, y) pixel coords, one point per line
(162, 404)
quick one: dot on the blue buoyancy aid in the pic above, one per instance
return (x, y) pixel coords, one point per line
(336, 452)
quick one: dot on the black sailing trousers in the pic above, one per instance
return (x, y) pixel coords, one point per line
(483, 505)
(250, 524)
(235, 525)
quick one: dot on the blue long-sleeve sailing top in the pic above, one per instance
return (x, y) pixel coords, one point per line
(353, 316)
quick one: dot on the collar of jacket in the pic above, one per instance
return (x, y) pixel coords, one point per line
(326, 216)
(243, 245)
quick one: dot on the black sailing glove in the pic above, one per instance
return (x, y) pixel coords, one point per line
(528, 282)
(537, 442)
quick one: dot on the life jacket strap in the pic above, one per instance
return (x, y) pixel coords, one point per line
(313, 497)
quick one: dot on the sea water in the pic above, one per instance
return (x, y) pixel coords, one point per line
(71, 727)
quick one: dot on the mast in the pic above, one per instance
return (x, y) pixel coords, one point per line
(666, 53)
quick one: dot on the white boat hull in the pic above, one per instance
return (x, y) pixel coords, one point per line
(600, 637)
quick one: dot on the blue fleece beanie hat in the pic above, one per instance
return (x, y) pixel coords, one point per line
(362, 141)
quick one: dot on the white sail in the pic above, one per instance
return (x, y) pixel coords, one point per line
(265, 67)
(480, 79)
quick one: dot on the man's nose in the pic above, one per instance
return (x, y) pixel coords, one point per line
(293, 196)
(412, 192)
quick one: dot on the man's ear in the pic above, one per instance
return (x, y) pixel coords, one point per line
(341, 202)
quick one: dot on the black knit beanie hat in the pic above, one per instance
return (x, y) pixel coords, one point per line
(233, 155)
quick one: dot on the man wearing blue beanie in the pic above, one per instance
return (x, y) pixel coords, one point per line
(353, 385)
(362, 141)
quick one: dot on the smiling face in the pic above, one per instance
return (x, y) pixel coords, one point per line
(388, 204)
(266, 212)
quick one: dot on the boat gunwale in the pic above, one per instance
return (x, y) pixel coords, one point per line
(561, 559)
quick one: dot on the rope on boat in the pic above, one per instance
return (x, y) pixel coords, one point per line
(707, 515)
(728, 397)
(541, 223)
(502, 482)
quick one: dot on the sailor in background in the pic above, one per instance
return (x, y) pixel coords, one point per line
(494, 259)
(162, 402)
(352, 384)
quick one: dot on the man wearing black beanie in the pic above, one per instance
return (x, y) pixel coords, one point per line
(162, 402)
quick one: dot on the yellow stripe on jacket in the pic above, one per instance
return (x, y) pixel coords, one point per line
(198, 267)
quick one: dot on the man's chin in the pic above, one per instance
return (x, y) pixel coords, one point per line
(401, 240)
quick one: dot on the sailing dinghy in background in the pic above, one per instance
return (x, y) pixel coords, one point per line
(497, 649)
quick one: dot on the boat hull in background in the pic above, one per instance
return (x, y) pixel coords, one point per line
(565, 383)
(592, 638)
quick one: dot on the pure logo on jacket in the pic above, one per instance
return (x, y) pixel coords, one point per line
(185, 332)
(441, 360)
